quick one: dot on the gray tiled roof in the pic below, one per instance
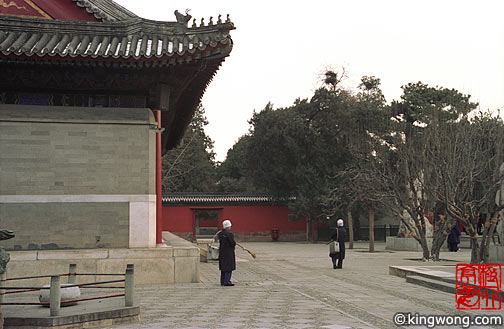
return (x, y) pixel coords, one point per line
(220, 198)
(132, 38)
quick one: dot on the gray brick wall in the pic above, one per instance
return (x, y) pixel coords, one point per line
(75, 159)
(73, 151)
(66, 225)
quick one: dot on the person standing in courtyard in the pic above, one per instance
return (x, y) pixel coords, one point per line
(339, 236)
(227, 263)
(454, 238)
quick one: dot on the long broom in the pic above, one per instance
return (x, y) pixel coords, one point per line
(250, 252)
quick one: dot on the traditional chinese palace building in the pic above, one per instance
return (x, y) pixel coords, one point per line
(86, 89)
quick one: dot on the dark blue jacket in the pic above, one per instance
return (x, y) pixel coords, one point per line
(454, 236)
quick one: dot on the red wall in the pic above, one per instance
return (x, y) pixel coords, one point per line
(249, 222)
(65, 10)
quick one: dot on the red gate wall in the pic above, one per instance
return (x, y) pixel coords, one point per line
(250, 223)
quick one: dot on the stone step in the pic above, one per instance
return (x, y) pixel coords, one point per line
(435, 283)
(431, 276)
(432, 272)
(432, 283)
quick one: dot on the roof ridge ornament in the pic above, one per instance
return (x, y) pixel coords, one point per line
(183, 19)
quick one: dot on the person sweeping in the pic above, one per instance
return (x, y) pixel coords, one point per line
(227, 262)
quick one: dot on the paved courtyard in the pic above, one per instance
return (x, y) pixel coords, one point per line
(293, 285)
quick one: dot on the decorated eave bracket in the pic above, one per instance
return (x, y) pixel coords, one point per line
(184, 19)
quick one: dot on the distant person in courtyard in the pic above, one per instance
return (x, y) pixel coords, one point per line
(498, 231)
(227, 263)
(339, 236)
(454, 238)
(480, 225)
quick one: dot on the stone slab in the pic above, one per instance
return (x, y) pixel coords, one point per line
(147, 270)
(23, 255)
(408, 244)
(186, 251)
(431, 283)
(73, 254)
(66, 293)
(175, 241)
(187, 269)
(77, 316)
(496, 254)
(141, 253)
(432, 272)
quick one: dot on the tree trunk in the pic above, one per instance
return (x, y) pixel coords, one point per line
(350, 228)
(437, 242)
(441, 230)
(420, 229)
(425, 247)
(371, 227)
(310, 230)
(485, 241)
(475, 256)
(308, 227)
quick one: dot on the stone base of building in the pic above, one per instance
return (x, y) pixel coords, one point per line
(408, 244)
(176, 262)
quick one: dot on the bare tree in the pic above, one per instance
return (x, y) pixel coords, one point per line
(466, 156)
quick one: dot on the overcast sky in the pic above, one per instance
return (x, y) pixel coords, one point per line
(282, 47)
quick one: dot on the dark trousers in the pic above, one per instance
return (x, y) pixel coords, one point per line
(452, 246)
(336, 257)
(225, 277)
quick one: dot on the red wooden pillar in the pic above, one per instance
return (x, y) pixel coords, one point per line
(159, 204)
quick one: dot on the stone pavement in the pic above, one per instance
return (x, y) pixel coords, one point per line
(293, 285)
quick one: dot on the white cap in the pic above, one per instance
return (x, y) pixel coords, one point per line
(340, 222)
(226, 223)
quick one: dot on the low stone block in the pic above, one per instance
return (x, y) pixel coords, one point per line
(22, 255)
(408, 244)
(147, 270)
(187, 270)
(67, 294)
(496, 254)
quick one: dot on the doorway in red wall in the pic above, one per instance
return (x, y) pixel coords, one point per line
(206, 222)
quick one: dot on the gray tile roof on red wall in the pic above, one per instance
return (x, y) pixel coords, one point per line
(220, 198)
